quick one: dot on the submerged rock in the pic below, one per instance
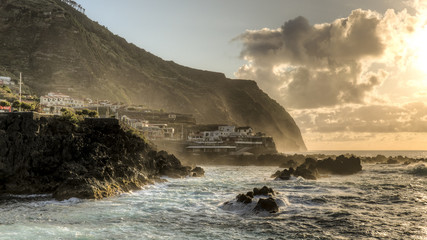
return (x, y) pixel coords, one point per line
(94, 158)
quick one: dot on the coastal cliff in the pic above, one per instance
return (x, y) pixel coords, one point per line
(94, 158)
(60, 49)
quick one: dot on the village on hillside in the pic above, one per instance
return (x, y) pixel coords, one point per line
(158, 126)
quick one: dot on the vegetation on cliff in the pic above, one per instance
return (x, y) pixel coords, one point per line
(59, 48)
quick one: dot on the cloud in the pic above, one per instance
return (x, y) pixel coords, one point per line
(411, 117)
(331, 64)
(357, 82)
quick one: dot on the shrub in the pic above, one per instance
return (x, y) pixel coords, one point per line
(85, 111)
(4, 103)
(93, 114)
(28, 106)
(6, 89)
(70, 115)
(16, 104)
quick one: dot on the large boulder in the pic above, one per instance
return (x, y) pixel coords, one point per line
(267, 204)
(341, 165)
(198, 172)
(244, 198)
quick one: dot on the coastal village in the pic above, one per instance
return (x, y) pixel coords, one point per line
(176, 131)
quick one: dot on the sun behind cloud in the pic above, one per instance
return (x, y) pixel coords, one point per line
(369, 63)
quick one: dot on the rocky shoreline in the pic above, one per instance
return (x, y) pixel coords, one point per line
(312, 169)
(91, 159)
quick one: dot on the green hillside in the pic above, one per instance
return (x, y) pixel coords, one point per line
(60, 49)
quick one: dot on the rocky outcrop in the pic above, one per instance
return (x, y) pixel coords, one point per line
(95, 158)
(198, 172)
(268, 204)
(311, 168)
(247, 198)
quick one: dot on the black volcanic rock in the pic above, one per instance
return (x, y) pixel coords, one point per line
(267, 204)
(198, 172)
(244, 198)
(341, 165)
(311, 168)
(266, 191)
(95, 158)
(57, 47)
(263, 204)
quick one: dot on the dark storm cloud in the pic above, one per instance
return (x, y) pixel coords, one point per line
(309, 66)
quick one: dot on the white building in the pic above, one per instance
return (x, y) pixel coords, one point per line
(227, 129)
(245, 131)
(58, 99)
(211, 136)
(223, 132)
(6, 81)
(152, 131)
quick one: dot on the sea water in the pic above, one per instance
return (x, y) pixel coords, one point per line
(381, 202)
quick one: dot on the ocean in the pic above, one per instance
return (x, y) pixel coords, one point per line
(381, 202)
(372, 153)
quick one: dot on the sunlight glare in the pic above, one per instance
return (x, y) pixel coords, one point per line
(419, 45)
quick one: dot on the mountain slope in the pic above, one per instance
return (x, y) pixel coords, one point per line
(59, 48)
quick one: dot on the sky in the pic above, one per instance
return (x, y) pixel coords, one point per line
(353, 74)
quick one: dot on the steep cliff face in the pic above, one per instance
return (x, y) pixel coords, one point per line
(59, 48)
(94, 159)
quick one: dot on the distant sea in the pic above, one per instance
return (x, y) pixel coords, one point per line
(370, 153)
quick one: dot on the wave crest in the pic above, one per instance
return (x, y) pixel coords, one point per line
(419, 170)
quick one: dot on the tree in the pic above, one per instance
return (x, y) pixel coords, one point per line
(85, 111)
(69, 115)
(93, 114)
(16, 104)
(37, 107)
(4, 103)
(28, 106)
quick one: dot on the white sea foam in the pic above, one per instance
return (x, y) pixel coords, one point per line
(419, 169)
(382, 202)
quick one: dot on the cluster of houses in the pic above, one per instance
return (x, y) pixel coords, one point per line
(6, 81)
(151, 131)
(224, 139)
(220, 134)
(54, 102)
(230, 140)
